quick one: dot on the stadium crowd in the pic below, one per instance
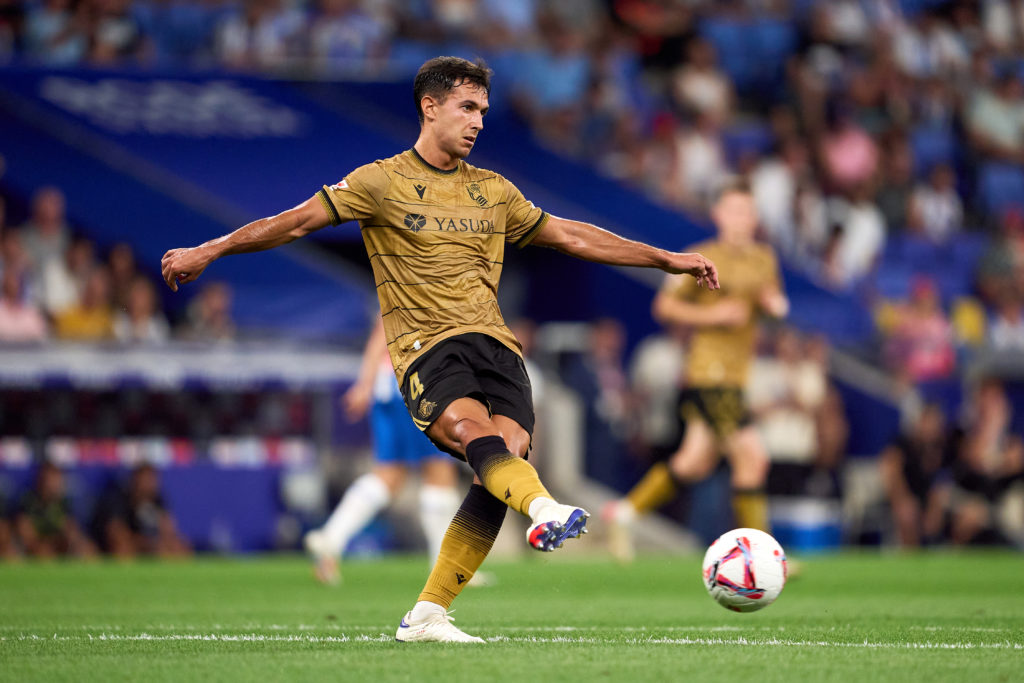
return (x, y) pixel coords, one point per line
(884, 140)
(54, 285)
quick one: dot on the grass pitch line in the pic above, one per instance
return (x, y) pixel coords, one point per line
(577, 640)
(111, 629)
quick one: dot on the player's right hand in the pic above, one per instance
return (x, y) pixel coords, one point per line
(179, 266)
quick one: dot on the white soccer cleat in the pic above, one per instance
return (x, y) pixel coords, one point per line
(436, 628)
(326, 568)
(554, 524)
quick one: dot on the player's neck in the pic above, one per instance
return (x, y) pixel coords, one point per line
(433, 155)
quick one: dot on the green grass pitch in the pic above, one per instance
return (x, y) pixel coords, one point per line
(850, 617)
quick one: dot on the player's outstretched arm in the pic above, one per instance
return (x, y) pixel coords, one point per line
(592, 243)
(185, 265)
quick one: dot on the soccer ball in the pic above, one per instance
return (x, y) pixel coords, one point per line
(745, 570)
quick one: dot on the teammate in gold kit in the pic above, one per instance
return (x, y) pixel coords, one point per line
(712, 404)
(435, 230)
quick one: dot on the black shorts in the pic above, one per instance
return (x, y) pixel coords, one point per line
(468, 365)
(724, 409)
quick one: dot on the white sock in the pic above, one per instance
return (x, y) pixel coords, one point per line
(537, 503)
(424, 609)
(367, 496)
(438, 505)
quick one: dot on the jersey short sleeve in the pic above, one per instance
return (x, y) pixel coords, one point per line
(523, 219)
(356, 198)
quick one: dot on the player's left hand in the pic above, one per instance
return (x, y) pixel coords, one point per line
(700, 267)
(179, 266)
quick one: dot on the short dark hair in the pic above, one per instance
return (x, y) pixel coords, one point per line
(440, 75)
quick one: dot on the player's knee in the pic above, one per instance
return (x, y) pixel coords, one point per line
(685, 470)
(465, 430)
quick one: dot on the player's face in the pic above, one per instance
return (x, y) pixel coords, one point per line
(460, 118)
(736, 216)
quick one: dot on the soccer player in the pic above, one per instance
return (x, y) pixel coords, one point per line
(398, 447)
(435, 230)
(712, 405)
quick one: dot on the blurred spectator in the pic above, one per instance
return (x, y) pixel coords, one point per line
(14, 257)
(775, 182)
(1006, 331)
(916, 474)
(701, 162)
(654, 374)
(20, 321)
(209, 315)
(896, 186)
(55, 32)
(141, 320)
(1001, 267)
(987, 496)
(344, 35)
(935, 207)
(859, 240)
(123, 271)
(599, 378)
(44, 525)
(927, 47)
(134, 520)
(553, 79)
(921, 346)
(848, 154)
(260, 33)
(786, 390)
(116, 35)
(698, 86)
(46, 235)
(64, 280)
(995, 120)
(92, 318)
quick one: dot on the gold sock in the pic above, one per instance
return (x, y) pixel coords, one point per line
(750, 507)
(465, 545)
(512, 480)
(654, 490)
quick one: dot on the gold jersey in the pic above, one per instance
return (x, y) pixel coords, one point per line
(721, 356)
(436, 242)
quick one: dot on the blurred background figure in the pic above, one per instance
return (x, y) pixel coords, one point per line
(599, 377)
(917, 475)
(208, 317)
(987, 498)
(43, 525)
(20, 320)
(92, 317)
(46, 235)
(141, 321)
(134, 520)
